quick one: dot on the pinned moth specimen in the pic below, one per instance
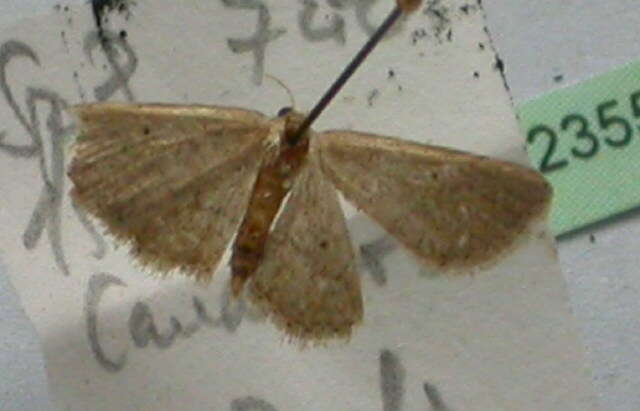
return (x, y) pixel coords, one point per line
(178, 182)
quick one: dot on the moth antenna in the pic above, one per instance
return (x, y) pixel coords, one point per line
(402, 7)
(292, 100)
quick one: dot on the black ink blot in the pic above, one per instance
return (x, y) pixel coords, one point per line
(499, 64)
(438, 15)
(101, 7)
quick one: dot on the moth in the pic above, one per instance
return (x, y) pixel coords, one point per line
(179, 182)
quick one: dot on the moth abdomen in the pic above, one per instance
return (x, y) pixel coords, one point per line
(274, 181)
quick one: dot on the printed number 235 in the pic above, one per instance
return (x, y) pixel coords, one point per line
(586, 144)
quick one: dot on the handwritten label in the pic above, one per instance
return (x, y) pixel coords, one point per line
(144, 331)
(264, 34)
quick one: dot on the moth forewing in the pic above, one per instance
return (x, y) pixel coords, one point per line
(454, 210)
(173, 181)
(308, 282)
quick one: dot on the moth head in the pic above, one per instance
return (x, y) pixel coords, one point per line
(292, 121)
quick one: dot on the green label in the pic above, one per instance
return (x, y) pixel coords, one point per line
(585, 139)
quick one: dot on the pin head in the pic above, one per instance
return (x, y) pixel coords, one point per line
(284, 111)
(409, 6)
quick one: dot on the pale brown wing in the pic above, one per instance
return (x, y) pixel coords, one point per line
(173, 181)
(308, 283)
(454, 210)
